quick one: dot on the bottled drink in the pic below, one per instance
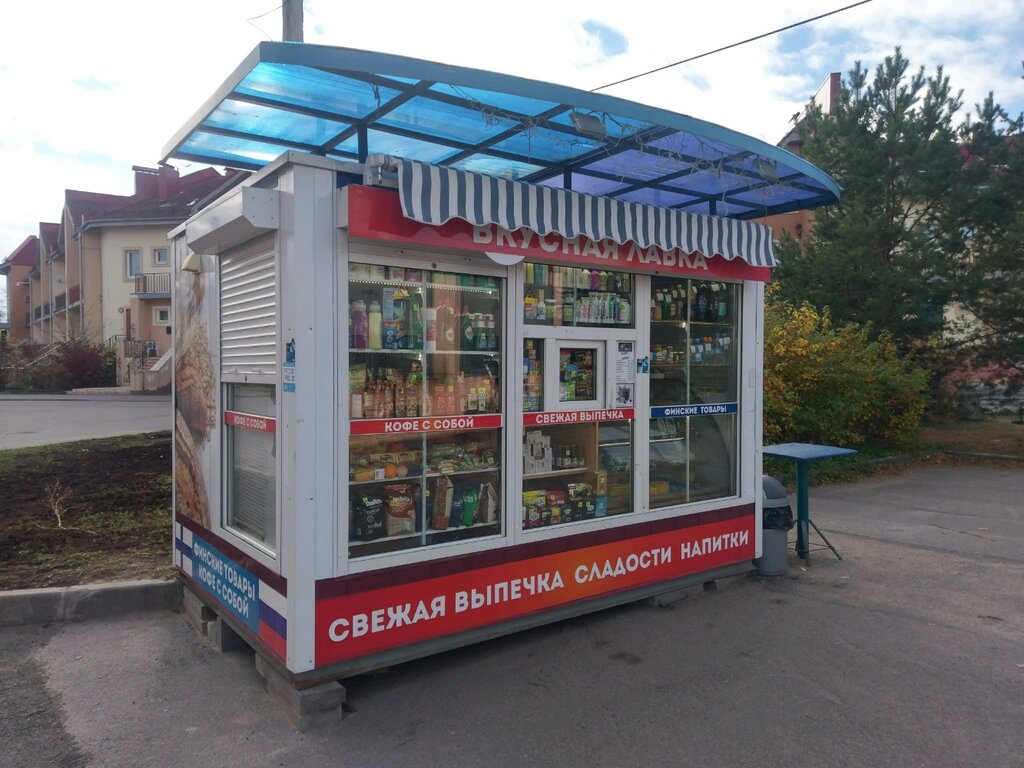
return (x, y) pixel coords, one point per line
(374, 322)
(468, 334)
(703, 301)
(359, 324)
(492, 340)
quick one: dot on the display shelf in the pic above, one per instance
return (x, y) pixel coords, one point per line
(613, 444)
(367, 350)
(678, 439)
(387, 283)
(468, 352)
(383, 539)
(452, 529)
(491, 292)
(435, 475)
(389, 481)
(557, 473)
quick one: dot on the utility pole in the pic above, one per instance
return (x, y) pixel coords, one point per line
(291, 17)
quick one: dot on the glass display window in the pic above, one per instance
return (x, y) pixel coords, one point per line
(576, 472)
(694, 377)
(424, 403)
(568, 296)
(533, 375)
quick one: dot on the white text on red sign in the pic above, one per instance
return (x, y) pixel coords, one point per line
(427, 424)
(250, 421)
(577, 417)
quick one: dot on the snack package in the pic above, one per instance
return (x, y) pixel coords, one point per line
(488, 512)
(470, 504)
(441, 513)
(400, 507)
(455, 517)
(367, 516)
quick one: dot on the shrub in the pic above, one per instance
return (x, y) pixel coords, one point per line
(77, 364)
(824, 384)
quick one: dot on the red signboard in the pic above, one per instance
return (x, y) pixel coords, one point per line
(353, 625)
(425, 424)
(250, 421)
(376, 213)
(545, 418)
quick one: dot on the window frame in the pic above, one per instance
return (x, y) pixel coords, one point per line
(156, 316)
(128, 274)
(156, 262)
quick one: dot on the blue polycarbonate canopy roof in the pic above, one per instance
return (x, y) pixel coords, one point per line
(348, 104)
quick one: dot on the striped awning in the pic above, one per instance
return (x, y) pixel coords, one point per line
(433, 195)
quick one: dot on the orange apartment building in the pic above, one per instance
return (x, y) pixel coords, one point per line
(103, 274)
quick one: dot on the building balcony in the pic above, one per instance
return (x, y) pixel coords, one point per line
(153, 285)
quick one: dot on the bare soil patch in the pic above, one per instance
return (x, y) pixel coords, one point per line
(995, 435)
(83, 512)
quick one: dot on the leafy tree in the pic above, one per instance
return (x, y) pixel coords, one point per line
(835, 384)
(890, 254)
(992, 146)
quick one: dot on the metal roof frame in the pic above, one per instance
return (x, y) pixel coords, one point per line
(360, 103)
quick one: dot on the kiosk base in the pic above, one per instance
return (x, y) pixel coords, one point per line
(306, 708)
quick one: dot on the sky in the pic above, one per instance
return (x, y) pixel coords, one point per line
(93, 88)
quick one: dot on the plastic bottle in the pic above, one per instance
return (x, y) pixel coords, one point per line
(467, 333)
(415, 320)
(492, 340)
(703, 301)
(723, 306)
(583, 283)
(374, 323)
(359, 324)
(462, 393)
(595, 280)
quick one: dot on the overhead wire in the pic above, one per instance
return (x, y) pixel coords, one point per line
(733, 45)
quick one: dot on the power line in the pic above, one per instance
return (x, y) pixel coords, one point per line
(727, 47)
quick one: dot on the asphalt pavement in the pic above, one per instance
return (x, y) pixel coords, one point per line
(908, 652)
(28, 420)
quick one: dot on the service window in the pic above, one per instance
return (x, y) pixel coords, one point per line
(425, 408)
(693, 387)
(250, 446)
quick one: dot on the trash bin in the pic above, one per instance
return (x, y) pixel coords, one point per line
(776, 520)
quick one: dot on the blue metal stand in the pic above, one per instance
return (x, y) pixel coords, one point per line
(802, 454)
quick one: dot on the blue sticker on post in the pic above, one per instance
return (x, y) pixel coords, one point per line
(227, 582)
(288, 369)
(703, 409)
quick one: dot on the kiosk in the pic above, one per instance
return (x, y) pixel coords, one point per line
(465, 355)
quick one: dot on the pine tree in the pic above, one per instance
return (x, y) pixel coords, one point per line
(992, 146)
(890, 255)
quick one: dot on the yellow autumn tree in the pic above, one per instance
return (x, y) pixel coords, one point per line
(836, 385)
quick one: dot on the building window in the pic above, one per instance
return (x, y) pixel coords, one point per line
(161, 316)
(132, 263)
(160, 257)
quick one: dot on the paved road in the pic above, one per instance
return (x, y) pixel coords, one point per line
(907, 653)
(27, 420)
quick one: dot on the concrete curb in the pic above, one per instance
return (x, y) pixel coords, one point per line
(86, 601)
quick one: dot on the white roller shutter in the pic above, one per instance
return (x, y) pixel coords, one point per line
(248, 309)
